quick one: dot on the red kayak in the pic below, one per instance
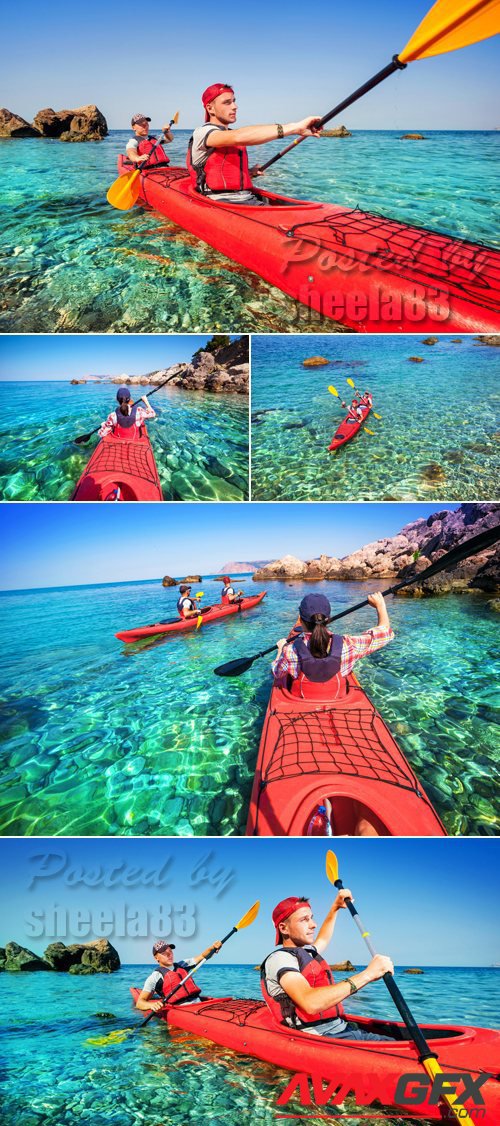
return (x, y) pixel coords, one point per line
(367, 272)
(347, 429)
(369, 1070)
(120, 469)
(179, 625)
(339, 754)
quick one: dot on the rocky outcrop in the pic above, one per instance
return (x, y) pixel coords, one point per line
(413, 971)
(86, 123)
(77, 382)
(343, 967)
(18, 959)
(431, 340)
(340, 131)
(98, 957)
(11, 125)
(408, 553)
(493, 341)
(216, 370)
(413, 137)
(168, 581)
(315, 362)
(191, 579)
(416, 359)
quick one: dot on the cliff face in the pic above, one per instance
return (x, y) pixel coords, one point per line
(412, 550)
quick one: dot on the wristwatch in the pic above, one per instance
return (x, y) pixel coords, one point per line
(280, 131)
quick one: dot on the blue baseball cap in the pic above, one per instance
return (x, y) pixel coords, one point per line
(314, 604)
(123, 393)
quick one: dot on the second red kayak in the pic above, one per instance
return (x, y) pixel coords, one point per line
(120, 469)
(365, 271)
(179, 625)
(347, 429)
(339, 754)
(370, 1070)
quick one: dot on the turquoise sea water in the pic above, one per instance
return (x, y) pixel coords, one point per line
(99, 738)
(166, 1075)
(200, 441)
(74, 264)
(438, 435)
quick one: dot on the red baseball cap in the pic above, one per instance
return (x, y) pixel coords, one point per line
(212, 92)
(226, 579)
(286, 908)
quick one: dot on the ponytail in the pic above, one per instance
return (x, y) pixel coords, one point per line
(124, 406)
(320, 640)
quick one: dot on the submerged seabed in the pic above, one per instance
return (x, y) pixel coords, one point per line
(164, 1076)
(438, 434)
(74, 264)
(102, 738)
(200, 441)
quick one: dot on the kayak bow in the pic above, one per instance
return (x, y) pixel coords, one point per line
(347, 429)
(179, 625)
(368, 1069)
(312, 752)
(365, 271)
(120, 469)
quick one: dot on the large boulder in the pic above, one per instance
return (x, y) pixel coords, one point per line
(19, 958)
(86, 123)
(11, 125)
(100, 956)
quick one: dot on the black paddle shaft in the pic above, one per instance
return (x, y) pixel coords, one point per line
(372, 82)
(399, 1001)
(463, 550)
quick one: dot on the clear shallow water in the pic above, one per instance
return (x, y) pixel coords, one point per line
(163, 1075)
(103, 739)
(200, 441)
(438, 436)
(74, 264)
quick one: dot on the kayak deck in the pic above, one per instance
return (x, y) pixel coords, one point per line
(365, 271)
(339, 754)
(120, 470)
(367, 1069)
(348, 428)
(180, 625)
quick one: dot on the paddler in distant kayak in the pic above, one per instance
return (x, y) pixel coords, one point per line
(296, 981)
(140, 147)
(228, 593)
(185, 604)
(127, 419)
(217, 154)
(354, 411)
(169, 974)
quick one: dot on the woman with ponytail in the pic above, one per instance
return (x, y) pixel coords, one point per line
(314, 662)
(127, 419)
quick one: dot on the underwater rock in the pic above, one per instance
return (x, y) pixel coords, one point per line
(433, 473)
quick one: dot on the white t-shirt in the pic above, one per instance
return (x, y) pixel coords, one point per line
(200, 153)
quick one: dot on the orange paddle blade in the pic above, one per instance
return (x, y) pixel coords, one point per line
(452, 24)
(125, 191)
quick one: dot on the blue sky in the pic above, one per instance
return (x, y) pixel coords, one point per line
(425, 902)
(69, 544)
(65, 357)
(285, 60)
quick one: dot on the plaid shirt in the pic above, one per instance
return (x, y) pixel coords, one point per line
(353, 648)
(142, 414)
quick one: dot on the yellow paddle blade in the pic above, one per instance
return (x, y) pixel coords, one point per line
(332, 866)
(452, 24)
(249, 917)
(379, 416)
(116, 1037)
(458, 1109)
(333, 391)
(125, 190)
(351, 383)
(200, 594)
(367, 431)
(199, 621)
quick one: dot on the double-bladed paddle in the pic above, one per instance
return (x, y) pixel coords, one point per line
(122, 1034)
(426, 1056)
(82, 438)
(124, 191)
(462, 551)
(448, 25)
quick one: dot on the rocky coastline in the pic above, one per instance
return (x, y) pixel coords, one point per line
(416, 546)
(222, 367)
(86, 123)
(98, 957)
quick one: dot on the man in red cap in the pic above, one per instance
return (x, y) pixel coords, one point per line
(139, 147)
(169, 974)
(296, 981)
(228, 593)
(217, 154)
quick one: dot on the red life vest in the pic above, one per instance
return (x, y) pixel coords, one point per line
(187, 992)
(126, 425)
(145, 147)
(225, 170)
(317, 973)
(225, 597)
(319, 677)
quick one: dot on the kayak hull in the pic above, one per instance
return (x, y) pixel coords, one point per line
(120, 469)
(181, 625)
(368, 1070)
(315, 752)
(364, 271)
(347, 430)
